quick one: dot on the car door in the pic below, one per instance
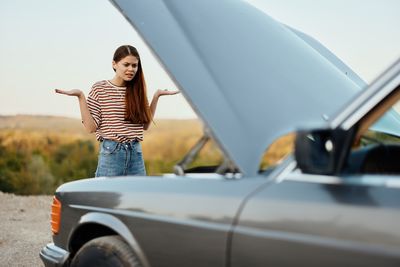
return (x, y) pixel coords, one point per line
(308, 220)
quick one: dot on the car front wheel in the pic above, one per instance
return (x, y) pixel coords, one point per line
(105, 251)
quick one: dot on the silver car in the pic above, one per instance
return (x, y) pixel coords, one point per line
(334, 202)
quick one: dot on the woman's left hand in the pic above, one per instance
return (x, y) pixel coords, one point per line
(166, 92)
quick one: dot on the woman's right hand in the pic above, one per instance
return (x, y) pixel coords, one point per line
(73, 92)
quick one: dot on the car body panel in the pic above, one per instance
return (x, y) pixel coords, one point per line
(319, 223)
(245, 74)
(197, 213)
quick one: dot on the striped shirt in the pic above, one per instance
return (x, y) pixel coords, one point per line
(106, 103)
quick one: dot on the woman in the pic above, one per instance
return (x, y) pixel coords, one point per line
(117, 110)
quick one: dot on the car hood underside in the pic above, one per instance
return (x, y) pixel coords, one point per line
(249, 77)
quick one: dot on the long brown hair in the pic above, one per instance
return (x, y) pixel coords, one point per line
(136, 104)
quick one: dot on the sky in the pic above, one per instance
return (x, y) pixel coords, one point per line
(48, 44)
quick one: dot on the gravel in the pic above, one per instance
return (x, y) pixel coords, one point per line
(24, 229)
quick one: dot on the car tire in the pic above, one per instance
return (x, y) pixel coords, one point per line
(105, 251)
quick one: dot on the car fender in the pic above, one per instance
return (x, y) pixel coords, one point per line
(115, 225)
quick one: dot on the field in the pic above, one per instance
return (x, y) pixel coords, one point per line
(38, 153)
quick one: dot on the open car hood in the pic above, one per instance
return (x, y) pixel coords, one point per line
(250, 78)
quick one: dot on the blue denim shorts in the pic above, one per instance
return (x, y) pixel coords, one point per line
(120, 159)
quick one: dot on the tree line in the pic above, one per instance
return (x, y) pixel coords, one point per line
(34, 163)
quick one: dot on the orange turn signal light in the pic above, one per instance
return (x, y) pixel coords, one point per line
(55, 215)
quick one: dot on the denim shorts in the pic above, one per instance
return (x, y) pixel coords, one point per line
(120, 159)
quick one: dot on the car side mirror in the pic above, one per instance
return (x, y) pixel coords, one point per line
(322, 151)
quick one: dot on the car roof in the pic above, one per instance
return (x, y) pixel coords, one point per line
(250, 78)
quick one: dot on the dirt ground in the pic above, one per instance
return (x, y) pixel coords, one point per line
(24, 229)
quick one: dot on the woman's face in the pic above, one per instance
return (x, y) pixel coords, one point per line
(126, 68)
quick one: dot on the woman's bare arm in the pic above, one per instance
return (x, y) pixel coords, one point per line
(154, 101)
(87, 118)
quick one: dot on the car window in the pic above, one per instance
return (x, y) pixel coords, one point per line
(376, 149)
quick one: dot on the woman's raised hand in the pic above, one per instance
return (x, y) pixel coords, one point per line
(73, 92)
(166, 92)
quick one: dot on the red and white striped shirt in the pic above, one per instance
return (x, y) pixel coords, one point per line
(106, 103)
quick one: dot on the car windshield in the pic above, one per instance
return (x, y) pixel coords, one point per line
(386, 129)
(377, 148)
(389, 124)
